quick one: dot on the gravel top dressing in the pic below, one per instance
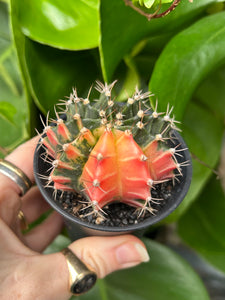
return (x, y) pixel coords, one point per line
(117, 213)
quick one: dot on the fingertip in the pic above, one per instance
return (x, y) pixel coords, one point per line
(110, 253)
(131, 254)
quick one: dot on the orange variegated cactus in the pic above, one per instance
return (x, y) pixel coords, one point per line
(110, 152)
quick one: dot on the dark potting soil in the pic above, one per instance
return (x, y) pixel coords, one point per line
(117, 213)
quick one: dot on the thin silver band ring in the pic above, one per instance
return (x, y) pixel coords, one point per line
(16, 175)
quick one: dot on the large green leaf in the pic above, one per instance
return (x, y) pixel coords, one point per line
(13, 107)
(203, 226)
(203, 135)
(186, 60)
(166, 276)
(66, 25)
(122, 28)
(52, 72)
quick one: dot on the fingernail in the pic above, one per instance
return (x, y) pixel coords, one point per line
(143, 252)
(131, 254)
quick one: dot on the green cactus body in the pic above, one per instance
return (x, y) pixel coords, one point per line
(110, 152)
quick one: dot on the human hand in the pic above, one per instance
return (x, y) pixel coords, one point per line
(25, 273)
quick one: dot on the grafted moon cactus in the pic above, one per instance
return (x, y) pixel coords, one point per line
(110, 152)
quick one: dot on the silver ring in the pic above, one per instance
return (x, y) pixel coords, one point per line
(81, 278)
(16, 175)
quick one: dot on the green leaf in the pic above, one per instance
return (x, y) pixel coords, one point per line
(216, 7)
(19, 43)
(13, 107)
(148, 3)
(186, 60)
(70, 25)
(52, 73)
(157, 3)
(206, 233)
(166, 276)
(203, 135)
(131, 81)
(120, 36)
(7, 111)
(58, 244)
(5, 40)
(146, 56)
(211, 93)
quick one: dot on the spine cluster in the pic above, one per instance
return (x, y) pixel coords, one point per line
(108, 151)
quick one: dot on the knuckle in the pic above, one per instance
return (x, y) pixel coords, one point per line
(96, 262)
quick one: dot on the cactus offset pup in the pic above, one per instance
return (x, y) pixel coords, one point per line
(110, 152)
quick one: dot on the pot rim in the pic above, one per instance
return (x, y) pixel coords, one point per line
(126, 228)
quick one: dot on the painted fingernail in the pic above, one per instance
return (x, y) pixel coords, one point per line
(131, 254)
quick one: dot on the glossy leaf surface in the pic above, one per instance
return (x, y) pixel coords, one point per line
(66, 25)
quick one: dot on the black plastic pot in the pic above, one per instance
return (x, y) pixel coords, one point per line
(78, 228)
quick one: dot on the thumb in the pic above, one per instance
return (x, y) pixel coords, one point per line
(107, 254)
(103, 254)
